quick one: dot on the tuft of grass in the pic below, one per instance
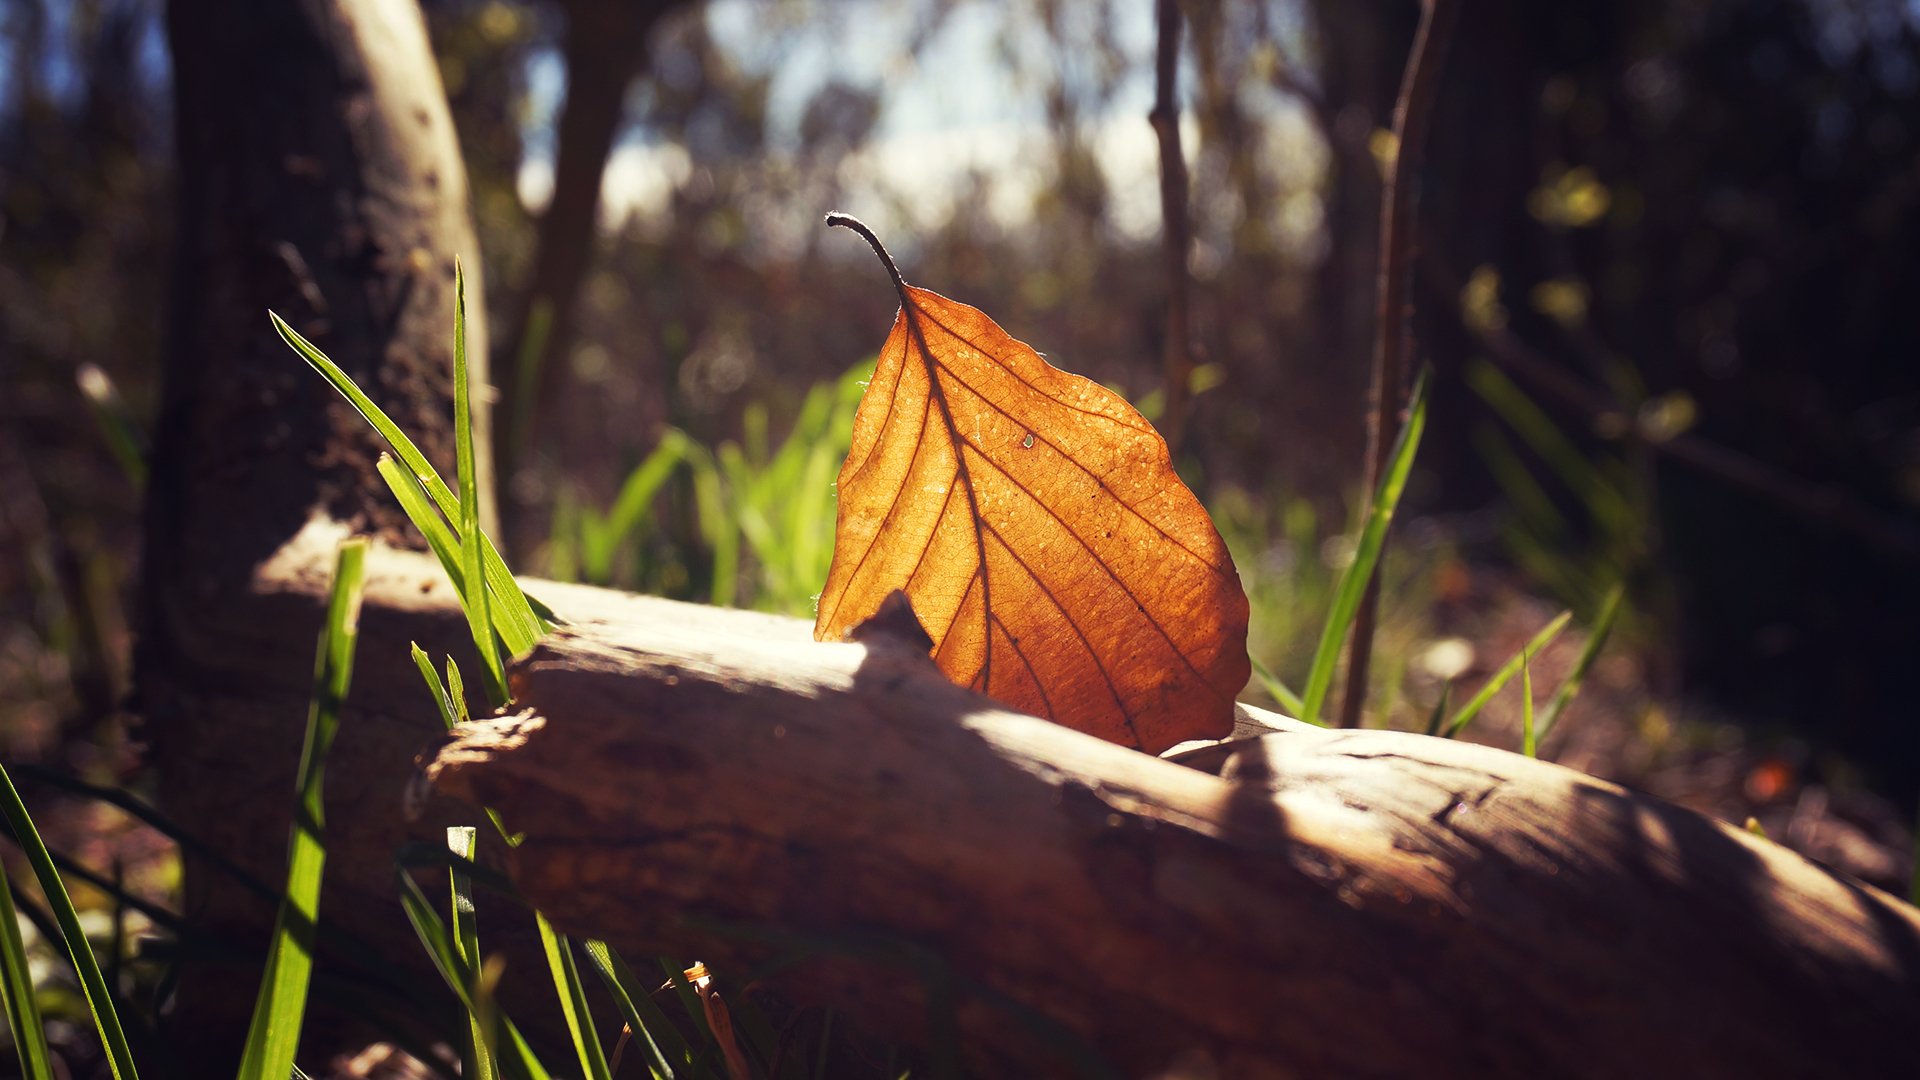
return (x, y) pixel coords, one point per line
(16, 988)
(506, 1044)
(441, 699)
(474, 588)
(478, 1059)
(1506, 673)
(1608, 493)
(513, 611)
(764, 516)
(278, 1011)
(99, 1001)
(656, 1036)
(599, 540)
(1353, 582)
(1596, 641)
(573, 1000)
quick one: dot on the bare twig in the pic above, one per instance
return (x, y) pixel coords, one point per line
(1177, 359)
(1411, 115)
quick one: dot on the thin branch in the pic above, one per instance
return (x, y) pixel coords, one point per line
(1177, 233)
(1412, 114)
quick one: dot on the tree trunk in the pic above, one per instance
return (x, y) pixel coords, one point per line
(714, 784)
(604, 48)
(319, 177)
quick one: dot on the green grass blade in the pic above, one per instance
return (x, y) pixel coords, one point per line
(1277, 689)
(811, 544)
(1596, 641)
(457, 692)
(420, 510)
(653, 1032)
(1531, 504)
(525, 625)
(282, 1003)
(573, 1001)
(1353, 582)
(16, 987)
(478, 1061)
(435, 687)
(112, 1036)
(187, 841)
(443, 539)
(1527, 744)
(1506, 673)
(629, 509)
(1546, 439)
(473, 596)
(510, 1048)
(721, 529)
(1439, 712)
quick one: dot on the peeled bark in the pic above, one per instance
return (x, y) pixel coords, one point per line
(714, 784)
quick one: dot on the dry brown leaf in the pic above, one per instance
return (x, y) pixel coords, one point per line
(1034, 520)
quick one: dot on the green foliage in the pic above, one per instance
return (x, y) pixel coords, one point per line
(1597, 635)
(1506, 673)
(1290, 561)
(1353, 582)
(1528, 745)
(573, 1000)
(507, 1045)
(1578, 559)
(474, 588)
(17, 990)
(762, 518)
(512, 611)
(92, 983)
(656, 1036)
(478, 1060)
(1278, 690)
(281, 1005)
(441, 699)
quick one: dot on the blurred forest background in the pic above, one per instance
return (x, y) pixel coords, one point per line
(1668, 253)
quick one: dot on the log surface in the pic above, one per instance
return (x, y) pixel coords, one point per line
(715, 785)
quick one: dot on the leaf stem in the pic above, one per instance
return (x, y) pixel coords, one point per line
(848, 221)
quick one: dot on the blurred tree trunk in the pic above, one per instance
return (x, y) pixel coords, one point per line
(319, 177)
(604, 47)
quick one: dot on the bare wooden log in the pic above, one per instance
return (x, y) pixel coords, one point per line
(714, 784)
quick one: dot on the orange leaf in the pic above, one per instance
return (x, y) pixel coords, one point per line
(1034, 520)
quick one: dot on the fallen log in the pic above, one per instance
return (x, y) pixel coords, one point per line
(715, 785)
